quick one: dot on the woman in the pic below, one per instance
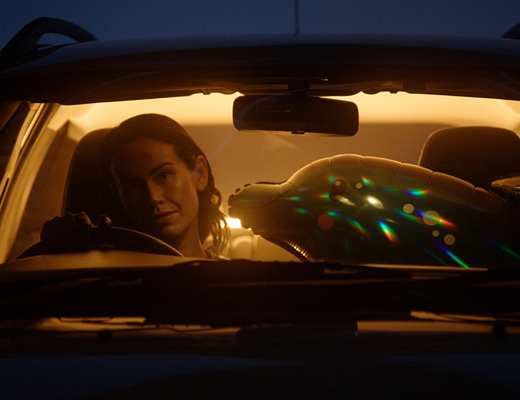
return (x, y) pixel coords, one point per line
(158, 182)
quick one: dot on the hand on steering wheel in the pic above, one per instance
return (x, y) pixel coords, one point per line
(76, 233)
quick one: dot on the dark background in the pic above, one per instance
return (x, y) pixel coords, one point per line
(132, 19)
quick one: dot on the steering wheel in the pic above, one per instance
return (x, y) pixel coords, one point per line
(112, 238)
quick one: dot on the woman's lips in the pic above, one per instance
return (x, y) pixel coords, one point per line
(163, 217)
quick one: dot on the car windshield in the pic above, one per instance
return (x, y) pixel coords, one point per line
(426, 179)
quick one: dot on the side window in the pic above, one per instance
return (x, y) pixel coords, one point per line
(9, 134)
(12, 193)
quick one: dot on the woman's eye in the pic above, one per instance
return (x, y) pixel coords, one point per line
(164, 176)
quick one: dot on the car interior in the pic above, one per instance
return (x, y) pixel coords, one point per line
(445, 134)
(476, 154)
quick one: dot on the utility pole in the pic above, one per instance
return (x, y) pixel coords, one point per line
(296, 18)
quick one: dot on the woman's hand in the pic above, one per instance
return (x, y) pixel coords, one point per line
(70, 233)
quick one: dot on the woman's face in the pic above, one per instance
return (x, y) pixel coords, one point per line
(158, 189)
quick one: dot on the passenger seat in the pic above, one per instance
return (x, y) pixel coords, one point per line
(476, 154)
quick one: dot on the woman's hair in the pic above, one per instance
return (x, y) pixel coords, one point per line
(212, 223)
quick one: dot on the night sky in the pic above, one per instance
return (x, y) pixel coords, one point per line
(132, 19)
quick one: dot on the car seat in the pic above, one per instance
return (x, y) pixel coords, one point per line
(85, 183)
(476, 154)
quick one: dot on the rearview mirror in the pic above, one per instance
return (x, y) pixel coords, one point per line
(296, 115)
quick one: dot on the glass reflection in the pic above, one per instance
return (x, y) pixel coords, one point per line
(453, 256)
(389, 232)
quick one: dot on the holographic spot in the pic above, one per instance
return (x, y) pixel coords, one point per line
(453, 256)
(302, 211)
(408, 208)
(445, 222)
(295, 198)
(409, 217)
(332, 179)
(334, 214)
(325, 222)
(389, 232)
(504, 248)
(457, 259)
(359, 185)
(417, 192)
(435, 233)
(357, 226)
(391, 190)
(431, 218)
(449, 239)
(434, 256)
(323, 196)
(367, 182)
(375, 202)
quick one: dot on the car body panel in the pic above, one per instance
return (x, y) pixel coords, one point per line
(98, 72)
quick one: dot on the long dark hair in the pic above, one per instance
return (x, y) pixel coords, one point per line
(212, 223)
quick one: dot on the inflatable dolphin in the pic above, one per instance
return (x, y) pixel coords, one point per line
(356, 209)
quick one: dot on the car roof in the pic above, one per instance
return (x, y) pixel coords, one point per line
(96, 71)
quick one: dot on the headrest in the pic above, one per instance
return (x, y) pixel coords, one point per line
(476, 154)
(85, 183)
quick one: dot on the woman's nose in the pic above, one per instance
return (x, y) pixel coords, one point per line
(155, 193)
